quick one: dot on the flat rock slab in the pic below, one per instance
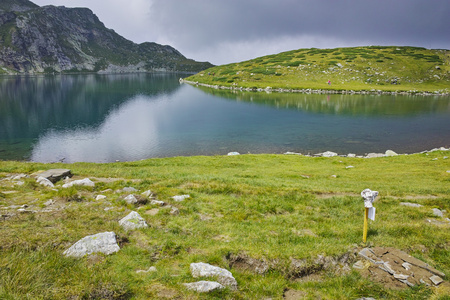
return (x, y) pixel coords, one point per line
(80, 182)
(55, 175)
(104, 242)
(396, 269)
(203, 286)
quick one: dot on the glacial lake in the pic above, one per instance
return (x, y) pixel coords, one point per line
(126, 117)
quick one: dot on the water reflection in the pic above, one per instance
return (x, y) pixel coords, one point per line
(31, 105)
(354, 105)
(104, 118)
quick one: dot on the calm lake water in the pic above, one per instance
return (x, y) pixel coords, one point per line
(104, 118)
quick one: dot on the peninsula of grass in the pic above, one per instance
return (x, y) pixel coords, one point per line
(374, 68)
(268, 209)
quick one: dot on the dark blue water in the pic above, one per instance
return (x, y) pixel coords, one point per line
(104, 118)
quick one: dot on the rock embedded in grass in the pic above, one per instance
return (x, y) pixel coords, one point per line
(104, 242)
(204, 286)
(55, 175)
(206, 270)
(133, 221)
(80, 182)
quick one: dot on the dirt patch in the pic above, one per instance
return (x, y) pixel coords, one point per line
(294, 294)
(396, 269)
(246, 263)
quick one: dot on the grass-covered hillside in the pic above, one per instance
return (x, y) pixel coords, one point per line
(359, 68)
(285, 226)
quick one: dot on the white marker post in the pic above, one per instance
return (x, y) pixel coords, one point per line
(369, 197)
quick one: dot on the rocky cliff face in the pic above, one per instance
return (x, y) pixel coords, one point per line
(53, 39)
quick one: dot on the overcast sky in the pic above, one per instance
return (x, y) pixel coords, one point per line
(226, 31)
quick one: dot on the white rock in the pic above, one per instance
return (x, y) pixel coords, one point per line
(233, 153)
(151, 269)
(81, 182)
(180, 198)
(436, 279)
(104, 242)
(351, 155)
(203, 286)
(206, 270)
(349, 167)
(372, 155)
(100, 197)
(133, 221)
(130, 199)
(157, 202)
(437, 212)
(174, 211)
(329, 154)
(390, 153)
(45, 182)
(129, 189)
(147, 194)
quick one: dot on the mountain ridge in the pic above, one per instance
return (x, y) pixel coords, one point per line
(51, 39)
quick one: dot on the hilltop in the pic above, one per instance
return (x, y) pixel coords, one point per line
(392, 68)
(53, 39)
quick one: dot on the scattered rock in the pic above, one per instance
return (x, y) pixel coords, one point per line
(436, 280)
(152, 212)
(104, 242)
(151, 269)
(81, 182)
(133, 221)
(373, 155)
(294, 295)
(233, 153)
(49, 202)
(55, 175)
(349, 167)
(206, 270)
(438, 213)
(180, 198)
(174, 211)
(390, 153)
(204, 286)
(147, 194)
(100, 197)
(157, 202)
(45, 182)
(329, 154)
(351, 155)
(292, 153)
(410, 204)
(128, 189)
(130, 199)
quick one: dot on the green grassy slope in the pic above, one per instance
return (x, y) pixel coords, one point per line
(359, 68)
(272, 208)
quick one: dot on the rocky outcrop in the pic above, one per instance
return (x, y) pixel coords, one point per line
(53, 39)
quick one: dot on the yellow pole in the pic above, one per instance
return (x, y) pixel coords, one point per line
(366, 217)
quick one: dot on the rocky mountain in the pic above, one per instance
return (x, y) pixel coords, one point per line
(53, 39)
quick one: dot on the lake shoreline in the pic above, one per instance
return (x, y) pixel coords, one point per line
(316, 91)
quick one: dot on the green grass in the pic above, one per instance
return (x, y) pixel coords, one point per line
(268, 207)
(360, 68)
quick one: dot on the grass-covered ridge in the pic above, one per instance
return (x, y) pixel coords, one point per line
(272, 208)
(357, 68)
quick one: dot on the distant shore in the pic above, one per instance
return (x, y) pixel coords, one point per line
(316, 91)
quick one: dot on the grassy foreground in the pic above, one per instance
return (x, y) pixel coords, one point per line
(271, 208)
(409, 69)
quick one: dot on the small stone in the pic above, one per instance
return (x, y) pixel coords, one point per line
(436, 280)
(54, 175)
(407, 266)
(360, 265)
(49, 202)
(174, 211)
(390, 153)
(233, 153)
(351, 155)
(45, 182)
(133, 221)
(130, 199)
(329, 154)
(147, 194)
(334, 176)
(437, 212)
(151, 269)
(180, 198)
(129, 189)
(100, 197)
(81, 182)
(152, 212)
(401, 276)
(157, 202)
(349, 167)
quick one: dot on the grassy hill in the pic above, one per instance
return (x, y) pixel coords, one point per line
(282, 224)
(358, 68)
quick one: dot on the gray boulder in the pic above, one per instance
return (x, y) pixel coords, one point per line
(80, 182)
(133, 221)
(206, 270)
(203, 286)
(55, 175)
(390, 153)
(437, 212)
(45, 182)
(329, 154)
(104, 242)
(131, 199)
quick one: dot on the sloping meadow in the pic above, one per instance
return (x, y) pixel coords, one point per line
(282, 224)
